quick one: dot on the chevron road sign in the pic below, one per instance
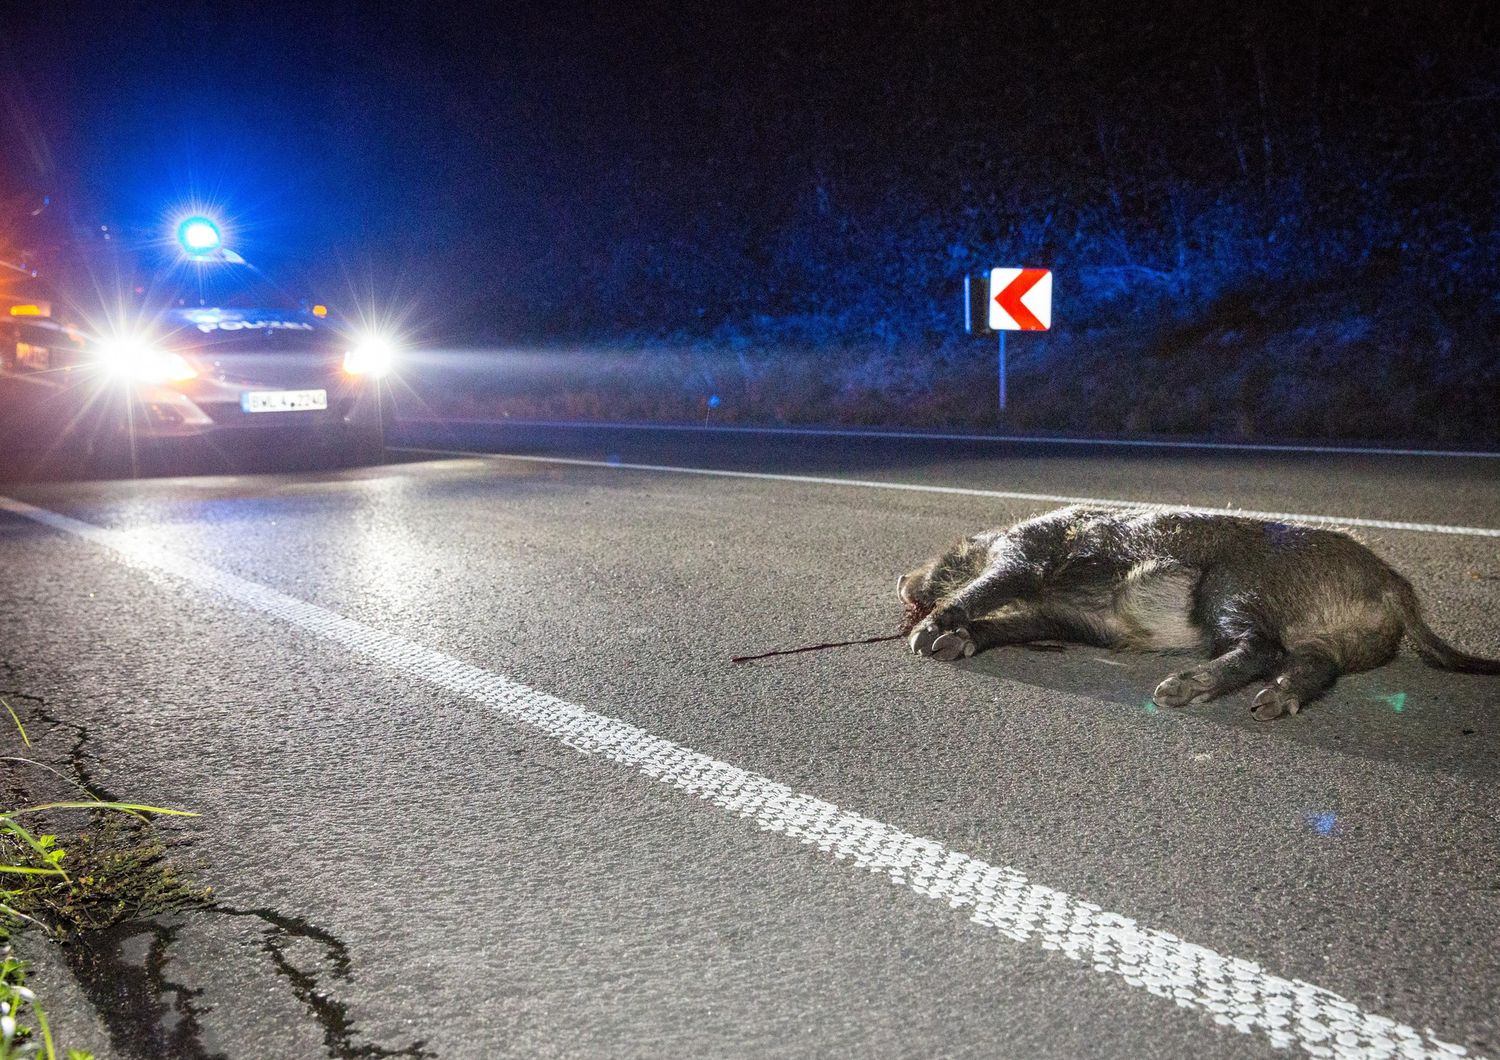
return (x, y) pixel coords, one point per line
(1020, 299)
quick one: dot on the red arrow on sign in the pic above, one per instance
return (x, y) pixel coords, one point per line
(1010, 299)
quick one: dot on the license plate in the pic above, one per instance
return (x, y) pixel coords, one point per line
(284, 400)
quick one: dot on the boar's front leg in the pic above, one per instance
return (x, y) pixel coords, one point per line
(963, 641)
(965, 622)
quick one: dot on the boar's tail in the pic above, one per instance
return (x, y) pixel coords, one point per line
(1433, 648)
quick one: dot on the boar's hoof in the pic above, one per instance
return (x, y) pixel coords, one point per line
(922, 637)
(955, 644)
(1179, 690)
(1275, 700)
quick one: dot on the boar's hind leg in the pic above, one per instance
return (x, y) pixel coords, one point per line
(1241, 664)
(1306, 674)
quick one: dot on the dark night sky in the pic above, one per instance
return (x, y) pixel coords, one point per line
(507, 163)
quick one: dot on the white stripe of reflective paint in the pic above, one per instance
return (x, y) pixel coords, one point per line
(1233, 992)
(957, 436)
(965, 491)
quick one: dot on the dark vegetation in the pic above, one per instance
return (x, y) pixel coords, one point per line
(1263, 222)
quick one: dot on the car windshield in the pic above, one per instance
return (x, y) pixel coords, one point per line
(263, 330)
(221, 285)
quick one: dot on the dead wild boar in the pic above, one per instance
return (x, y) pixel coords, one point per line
(1296, 604)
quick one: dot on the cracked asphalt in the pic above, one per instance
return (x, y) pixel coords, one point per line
(400, 872)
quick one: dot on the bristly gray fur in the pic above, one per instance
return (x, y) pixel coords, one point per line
(1300, 602)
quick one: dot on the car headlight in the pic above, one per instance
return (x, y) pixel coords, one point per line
(139, 360)
(372, 355)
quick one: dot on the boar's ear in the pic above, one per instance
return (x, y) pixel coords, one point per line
(901, 585)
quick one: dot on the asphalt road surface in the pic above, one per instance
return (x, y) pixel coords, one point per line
(477, 777)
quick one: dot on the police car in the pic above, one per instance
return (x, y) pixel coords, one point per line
(206, 349)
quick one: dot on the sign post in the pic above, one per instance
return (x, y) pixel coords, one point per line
(1020, 300)
(1001, 360)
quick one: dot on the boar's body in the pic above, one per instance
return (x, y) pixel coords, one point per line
(1304, 603)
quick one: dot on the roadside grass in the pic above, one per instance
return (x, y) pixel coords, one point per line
(114, 869)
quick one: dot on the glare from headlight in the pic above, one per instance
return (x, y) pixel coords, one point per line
(372, 355)
(138, 360)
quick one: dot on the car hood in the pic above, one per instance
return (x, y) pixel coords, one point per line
(261, 347)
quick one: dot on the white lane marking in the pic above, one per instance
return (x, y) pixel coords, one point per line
(943, 436)
(964, 491)
(1234, 992)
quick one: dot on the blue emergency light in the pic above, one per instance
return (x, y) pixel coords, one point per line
(199, 236)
